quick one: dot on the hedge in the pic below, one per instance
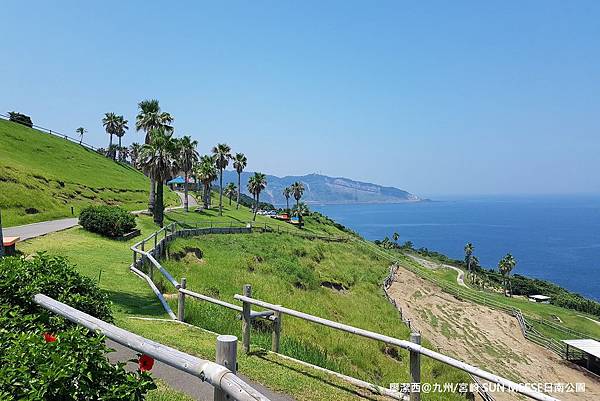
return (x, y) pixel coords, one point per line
(110, 221)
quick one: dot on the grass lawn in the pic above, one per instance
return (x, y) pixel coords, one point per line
(49, 174)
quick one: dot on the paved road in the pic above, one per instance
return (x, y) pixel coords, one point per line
(46, 227)
(182, 381)
(37, 229)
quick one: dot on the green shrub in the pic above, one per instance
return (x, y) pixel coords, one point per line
(110, 221)
(74, 366)
(21, 279)
(20, 118)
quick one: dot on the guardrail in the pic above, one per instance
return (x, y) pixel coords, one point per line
(275, 313)
(55, 133)
(224, 380)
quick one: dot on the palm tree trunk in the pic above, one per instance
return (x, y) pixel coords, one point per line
(1, 237)
(151, 199)
(230, 199)
(220, 192)
(256, 207)
(119, 148)
(159, 207)
(239, 190)
(185, 191)
(287, 204)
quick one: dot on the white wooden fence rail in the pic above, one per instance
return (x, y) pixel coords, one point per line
(218, 376)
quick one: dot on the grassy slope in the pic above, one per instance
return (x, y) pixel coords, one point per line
(108, 261)
(276, 265)
(50, 174)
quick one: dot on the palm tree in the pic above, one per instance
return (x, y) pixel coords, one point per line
(230, 191)
(256, 184)
(134, 153)
(158, 159)
(150, 117)
(222, 153)
(506, 265)
(206, 172)
(80, 131)
(287, 192)
(111, 124)
(297, 191)
(239, 164)
(121, 128)
(396, 237)
(188, 156)
(469, 258)
(301, 209)
(123, 154)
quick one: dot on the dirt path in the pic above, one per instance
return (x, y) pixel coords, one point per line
(460, 278)
(484, 337)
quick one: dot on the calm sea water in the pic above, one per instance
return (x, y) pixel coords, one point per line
(552, 238)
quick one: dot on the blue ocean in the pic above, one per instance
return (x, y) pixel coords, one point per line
(556, 238)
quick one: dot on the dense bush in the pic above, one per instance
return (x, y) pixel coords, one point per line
(43, 357)
(111, 221)
(20, 118)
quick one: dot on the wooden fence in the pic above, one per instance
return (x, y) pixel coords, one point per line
(159, 241)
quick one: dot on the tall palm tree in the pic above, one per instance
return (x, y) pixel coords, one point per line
(469, 257)
(188, 156)
(287, 192)
(158, 159)
(111, 124)
(206, 172)
(121, 129)
(230, 191)
(256, 184)
(239, 164)
(80, 131)
(151, 117)
(506, 265)
(134, 153)
(222, 153)
(297, 191)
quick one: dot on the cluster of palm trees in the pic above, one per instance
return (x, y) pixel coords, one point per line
(296, 190)
(505, 267)
(115, 125)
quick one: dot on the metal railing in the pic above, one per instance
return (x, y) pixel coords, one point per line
(221, 378)
(55, 133)
(273, 312)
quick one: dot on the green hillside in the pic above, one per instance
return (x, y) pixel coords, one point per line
(43, 176)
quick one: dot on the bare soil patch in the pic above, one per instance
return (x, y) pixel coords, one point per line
(484, 337)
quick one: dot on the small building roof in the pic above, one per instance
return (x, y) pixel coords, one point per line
(540, 297)
(588, 346)
(177, 180)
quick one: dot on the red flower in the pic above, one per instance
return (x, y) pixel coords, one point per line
(49, 338)
(146, 363)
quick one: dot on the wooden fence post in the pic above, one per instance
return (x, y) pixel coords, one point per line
(275, 337)
(181, 302)
(246, 322)
(415, 369)
(226, 356)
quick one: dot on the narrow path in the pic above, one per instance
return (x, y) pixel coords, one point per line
(34, 230)
(182, 381)
(460, 278)
(38, 229)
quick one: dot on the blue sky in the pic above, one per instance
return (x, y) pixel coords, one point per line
(436, 98)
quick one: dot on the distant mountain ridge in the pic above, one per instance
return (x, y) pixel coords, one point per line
(324, 189)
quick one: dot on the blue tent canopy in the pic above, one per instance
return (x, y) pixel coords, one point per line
(176, 180)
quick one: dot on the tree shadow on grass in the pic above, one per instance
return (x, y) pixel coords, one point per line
(134, 304)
